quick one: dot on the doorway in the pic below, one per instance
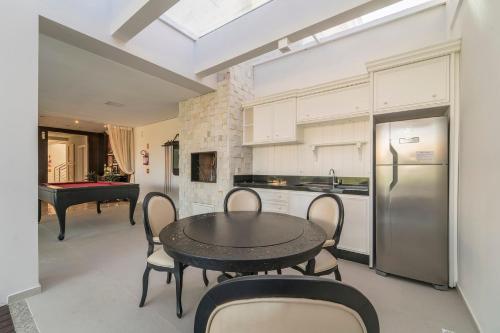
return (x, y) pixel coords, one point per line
(67, 158)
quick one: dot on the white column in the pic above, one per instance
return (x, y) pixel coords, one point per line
(18, 148)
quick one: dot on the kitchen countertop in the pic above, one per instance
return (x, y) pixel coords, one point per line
(304, 183)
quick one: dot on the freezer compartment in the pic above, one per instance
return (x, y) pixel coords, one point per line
(412, 222)
(417, 141)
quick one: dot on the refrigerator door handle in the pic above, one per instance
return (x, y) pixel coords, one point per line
(394, 167)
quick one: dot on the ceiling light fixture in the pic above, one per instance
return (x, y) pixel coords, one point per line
(283, 45)
(77, 122)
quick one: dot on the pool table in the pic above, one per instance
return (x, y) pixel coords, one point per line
(63, 195)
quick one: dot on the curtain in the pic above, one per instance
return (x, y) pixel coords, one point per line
(122, 143)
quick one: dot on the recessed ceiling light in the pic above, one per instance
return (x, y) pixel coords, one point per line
(115, 104)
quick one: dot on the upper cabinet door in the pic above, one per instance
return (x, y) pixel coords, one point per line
(333, 104)
(413, 86)
(263, 116)
(285, 120)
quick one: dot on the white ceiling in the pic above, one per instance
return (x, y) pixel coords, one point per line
(76, 84)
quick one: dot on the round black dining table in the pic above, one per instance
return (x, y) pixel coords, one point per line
(242, 242)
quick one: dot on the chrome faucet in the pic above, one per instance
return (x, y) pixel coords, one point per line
(332, 173)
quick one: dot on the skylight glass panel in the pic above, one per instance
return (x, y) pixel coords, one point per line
(370, 17)
(200, 17)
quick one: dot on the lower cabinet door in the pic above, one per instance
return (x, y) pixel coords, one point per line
(355, 232)
(299, 203)
(274, 207)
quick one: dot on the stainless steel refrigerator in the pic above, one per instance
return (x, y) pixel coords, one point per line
(411, 199)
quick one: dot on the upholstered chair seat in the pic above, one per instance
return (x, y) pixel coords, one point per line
(327, 211)
(285, 304)
(324, 261)
(161, 258)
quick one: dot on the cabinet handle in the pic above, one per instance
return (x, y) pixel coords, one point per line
(385, 103)
(434, 95)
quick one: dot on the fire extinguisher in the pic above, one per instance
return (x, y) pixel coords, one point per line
(145, 157)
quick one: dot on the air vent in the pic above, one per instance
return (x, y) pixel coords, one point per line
(115, 104)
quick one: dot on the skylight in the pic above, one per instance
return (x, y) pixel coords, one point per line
(382, 13)
(197, 18)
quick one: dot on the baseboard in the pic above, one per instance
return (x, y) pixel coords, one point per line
(474, 319)
(352, 256)
(24, 294)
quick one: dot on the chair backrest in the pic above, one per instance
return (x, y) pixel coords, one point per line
(242, 199)
(159, 211)
(282, 304)
(327, 211)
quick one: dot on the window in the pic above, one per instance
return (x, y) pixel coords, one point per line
(197, 18)
(370, 17)
(398, 9)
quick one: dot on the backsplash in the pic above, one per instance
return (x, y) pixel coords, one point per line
(299, 159)
(294, 180)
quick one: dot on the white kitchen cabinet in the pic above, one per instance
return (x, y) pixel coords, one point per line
(263, 116)
(275, 201)
(285, 121)
(299, 202)
(355, 232)
(275, 122)
(414, 86)
(334, 104)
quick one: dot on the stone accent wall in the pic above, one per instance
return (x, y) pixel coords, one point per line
(213, 122)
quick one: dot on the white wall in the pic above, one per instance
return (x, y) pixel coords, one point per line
(18, 112)
(299, 159)
(347, 56)
(155, 135)
(479, 216)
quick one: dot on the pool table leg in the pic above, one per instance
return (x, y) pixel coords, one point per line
(39, 210)
(61, 217)
(98, 207)
(133, 203)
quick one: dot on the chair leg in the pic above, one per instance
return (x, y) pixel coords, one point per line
(336, 272)
(205, 279)
(169, 277)
(145, 280)
(279, 271)
(178, 287)
(310, 267)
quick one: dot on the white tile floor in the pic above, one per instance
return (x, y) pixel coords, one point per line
(92, 283)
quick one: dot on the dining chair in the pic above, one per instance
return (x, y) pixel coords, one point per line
(242, 199)
(327, 211)
(159, 210)
(280, 304)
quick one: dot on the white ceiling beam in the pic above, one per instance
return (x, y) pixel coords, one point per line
(137, 16)
(260, 31)
(88, 43)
